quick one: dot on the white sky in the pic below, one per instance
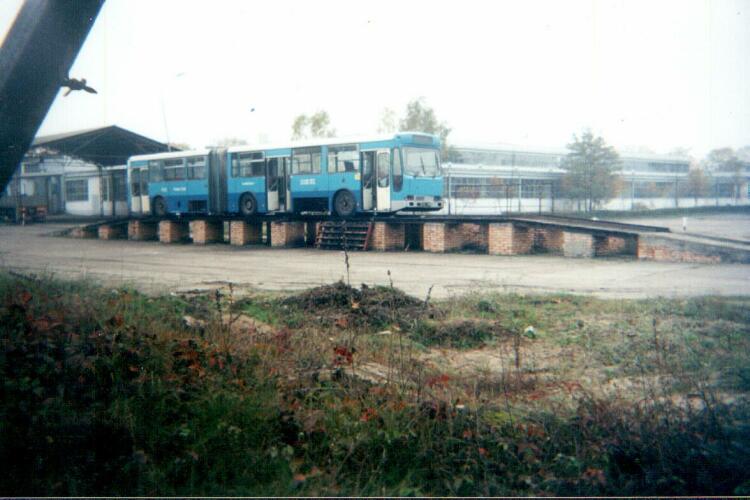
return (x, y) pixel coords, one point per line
(660, 74)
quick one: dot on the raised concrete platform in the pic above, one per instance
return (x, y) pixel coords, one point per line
(576, 238)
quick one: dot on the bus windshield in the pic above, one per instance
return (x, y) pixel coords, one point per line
(422, 162)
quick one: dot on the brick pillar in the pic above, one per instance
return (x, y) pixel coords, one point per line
(500, 238)
(139, 230)
(204, 231)
(287, 234)
(433, 237)
(244, 233)
(110, 231)
(505, 238)
(171, 231)
(386, 236)
(578, 244)
(548, 239)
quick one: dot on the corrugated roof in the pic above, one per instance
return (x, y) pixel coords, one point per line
(106, 146)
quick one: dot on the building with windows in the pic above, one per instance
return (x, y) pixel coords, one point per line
(503, 179)
(78, 173)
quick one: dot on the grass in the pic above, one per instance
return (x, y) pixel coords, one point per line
(337, 391)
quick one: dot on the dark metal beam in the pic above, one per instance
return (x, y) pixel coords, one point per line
(38, 52)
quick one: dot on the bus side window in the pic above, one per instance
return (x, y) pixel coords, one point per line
(155, 172)
(196, 168)
(398, 172)
(384, 169)
(306, 161)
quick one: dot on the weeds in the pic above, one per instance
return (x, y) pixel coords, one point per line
(109, 392)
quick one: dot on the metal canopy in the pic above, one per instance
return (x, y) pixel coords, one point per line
(105, 146)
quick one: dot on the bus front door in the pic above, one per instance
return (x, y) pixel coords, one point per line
(383, 182)
(368, 170)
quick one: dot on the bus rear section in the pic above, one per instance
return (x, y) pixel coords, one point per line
(170, 183)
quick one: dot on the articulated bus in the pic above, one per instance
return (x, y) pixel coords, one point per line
(380, 174)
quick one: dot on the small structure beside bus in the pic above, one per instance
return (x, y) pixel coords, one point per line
(378, 174)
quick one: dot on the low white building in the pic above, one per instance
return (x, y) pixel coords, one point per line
(488, 179)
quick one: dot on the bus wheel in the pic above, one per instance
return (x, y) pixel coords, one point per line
(343, 204)
(160, 207)
(248, 205)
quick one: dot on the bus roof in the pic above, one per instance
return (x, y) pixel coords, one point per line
(173, 154)
(329, 141)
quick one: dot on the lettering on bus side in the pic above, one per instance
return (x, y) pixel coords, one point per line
(307, 182)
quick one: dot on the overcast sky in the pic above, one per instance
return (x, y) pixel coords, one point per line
(660, 74)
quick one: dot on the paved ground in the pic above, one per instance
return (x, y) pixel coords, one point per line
(152, 266)
(733, 226)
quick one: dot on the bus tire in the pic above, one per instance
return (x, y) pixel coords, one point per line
(248, 205)
(343, 204)
(160, 207)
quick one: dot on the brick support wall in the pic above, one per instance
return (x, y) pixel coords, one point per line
(172, 232)
(441, 237)
(204, 231)
(500, 238)
(83, 232)
(287, 234)
(651, 248)
(111, 231)
(523, 239)
(386, 236)
(614, 245)
(548, 240)
(578, 244)
(242, 233)
(474, 236)
(505, 238)
(139, 230)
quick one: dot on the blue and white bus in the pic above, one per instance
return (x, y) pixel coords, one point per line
(378, 174)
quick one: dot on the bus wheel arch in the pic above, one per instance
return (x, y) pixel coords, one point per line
(159, 206)
(343, 203)
(248, 205)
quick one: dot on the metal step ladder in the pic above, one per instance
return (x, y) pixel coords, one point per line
(340, 235)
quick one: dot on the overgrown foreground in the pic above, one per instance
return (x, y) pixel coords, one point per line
(369, 392)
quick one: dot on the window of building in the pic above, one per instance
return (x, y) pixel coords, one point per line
(106, 188)
(196, 168)
(248, 164)
(174, 169)
(306, 161)
(343, 158)
(119, 190)
(77, 190)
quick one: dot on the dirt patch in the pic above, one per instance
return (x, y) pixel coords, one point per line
(347, 306)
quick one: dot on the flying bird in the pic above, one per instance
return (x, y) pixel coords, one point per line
(74, 84)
